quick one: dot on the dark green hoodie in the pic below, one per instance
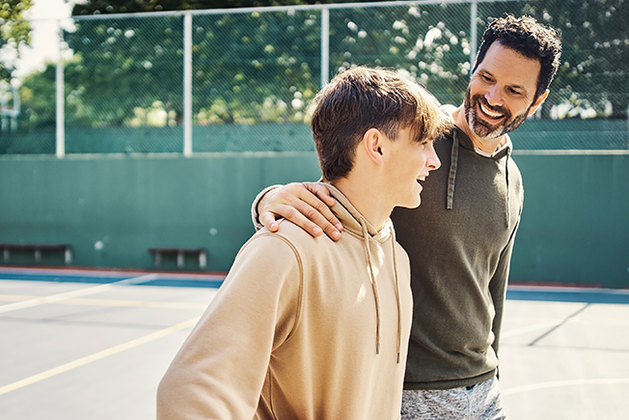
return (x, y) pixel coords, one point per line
(459, 241)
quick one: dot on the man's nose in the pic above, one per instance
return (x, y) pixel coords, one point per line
(494, 95)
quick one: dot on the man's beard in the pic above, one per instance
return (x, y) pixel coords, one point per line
(484, 129)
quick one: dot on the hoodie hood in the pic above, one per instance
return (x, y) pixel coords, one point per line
(355, 224)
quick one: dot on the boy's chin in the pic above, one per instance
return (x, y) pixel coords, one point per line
(412, 204)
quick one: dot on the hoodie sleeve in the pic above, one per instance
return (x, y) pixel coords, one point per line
(220, 370)
(498, 288)
(255, 216)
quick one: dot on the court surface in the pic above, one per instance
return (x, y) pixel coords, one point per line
(83, 344)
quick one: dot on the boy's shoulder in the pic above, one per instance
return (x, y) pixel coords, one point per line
(292, 236)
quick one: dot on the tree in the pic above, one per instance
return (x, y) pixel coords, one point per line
(127, 63)
(428, 43)
(256, 74)
(14, 30)
(265, 66)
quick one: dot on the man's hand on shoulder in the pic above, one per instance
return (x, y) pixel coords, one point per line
(305, 204)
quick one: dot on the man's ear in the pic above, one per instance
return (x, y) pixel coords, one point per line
(372, 143)
(540, 100)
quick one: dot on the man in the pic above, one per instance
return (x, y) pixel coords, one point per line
(473, 206)
(309, 328)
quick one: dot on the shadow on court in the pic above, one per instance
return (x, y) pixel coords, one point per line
(93, 345)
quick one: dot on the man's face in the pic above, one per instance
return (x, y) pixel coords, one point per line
(501, 93)
(411, 162)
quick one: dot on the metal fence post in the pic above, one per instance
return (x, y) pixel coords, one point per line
(325, 46)
(628, 132)
(187, 85)
(60, 110)
(473, 28)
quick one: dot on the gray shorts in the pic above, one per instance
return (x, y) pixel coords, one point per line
(479, 402)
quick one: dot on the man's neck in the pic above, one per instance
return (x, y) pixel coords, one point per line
(486, 145)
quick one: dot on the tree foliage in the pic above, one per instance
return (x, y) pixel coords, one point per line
(256, 67)
(14, 29)
(134, 6)
(265, 66)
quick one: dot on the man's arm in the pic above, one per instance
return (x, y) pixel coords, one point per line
(498, 288)
(220, 370)
(305, 204)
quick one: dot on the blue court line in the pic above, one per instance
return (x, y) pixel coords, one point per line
(98, 278)
(568, 294)
(514, 292)
(158, 279)
(215, 284)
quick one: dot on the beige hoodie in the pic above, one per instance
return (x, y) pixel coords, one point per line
(302, 328)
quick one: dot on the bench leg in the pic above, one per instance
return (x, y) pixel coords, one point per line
(6, 254)
(158, 259)
(202, 259)
(180, 259)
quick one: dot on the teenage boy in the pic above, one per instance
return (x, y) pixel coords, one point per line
(473, 211)
(308, 328)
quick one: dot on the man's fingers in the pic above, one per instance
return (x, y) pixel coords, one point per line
(320, 191)
(331, 225)
(298, 217)
(268, 219)
(304, 205)
(321, 217)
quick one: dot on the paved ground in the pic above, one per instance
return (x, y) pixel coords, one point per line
(77, 346)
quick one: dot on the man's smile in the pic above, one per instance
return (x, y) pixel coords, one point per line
(487, 111)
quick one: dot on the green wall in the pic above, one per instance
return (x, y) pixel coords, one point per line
(133, 203)
(575, 227)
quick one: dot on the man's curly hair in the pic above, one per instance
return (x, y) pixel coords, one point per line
(529, 38)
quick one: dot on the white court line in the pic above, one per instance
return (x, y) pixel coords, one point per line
(558, 384)
(73, 294)
(534, 327)
(96, 356)
(112, 302)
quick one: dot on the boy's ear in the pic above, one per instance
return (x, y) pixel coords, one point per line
(372, 143)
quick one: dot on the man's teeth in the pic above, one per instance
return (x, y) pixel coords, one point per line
(489, 112)
(421, 178)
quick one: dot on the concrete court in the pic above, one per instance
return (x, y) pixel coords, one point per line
(97, 351)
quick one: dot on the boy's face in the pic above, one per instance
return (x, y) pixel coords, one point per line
(410, 161)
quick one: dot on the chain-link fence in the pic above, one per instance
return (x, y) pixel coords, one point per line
(241, 80)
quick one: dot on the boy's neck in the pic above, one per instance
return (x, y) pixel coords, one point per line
(366, 199)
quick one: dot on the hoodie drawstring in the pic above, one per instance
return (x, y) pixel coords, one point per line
(397, 297)
(454, 160)
(374, 288)
(508, 212)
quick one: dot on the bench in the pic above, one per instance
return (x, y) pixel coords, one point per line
(37, 249)
(202, 252)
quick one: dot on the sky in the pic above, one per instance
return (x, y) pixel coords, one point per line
(43, 16)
